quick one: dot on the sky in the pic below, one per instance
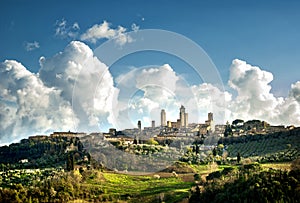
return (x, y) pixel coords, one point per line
(49, 73)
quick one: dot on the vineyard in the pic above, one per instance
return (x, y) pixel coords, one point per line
(276, 147)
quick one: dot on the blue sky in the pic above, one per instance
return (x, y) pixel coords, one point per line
(262, 33)
(45, 44)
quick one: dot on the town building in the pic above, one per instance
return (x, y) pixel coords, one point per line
(181, 122)
(169, 124)
(112, 131)
(183, 117)
(163, 118)
(67, 134)
(139, 124)
(153, 124)
(210, 121)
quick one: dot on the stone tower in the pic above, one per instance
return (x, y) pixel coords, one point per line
(163, 118)
(182, 117)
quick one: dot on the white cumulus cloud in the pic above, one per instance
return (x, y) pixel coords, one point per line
(210, 98)
(254, 99)
(145, 91)
(28, 106)
(104, 31)
(72, 91)
(295, 91)
(84, 81)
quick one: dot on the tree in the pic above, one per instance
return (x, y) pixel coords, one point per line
(220, 146)
(228, 130)
(214, 152)
(197, 177)
(70, 162)
(80, 146)
(151, 141)
(197, 149)
(237, 122)
(238, 157)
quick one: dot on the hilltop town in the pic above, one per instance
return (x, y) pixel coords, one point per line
(179, 130)
(168, 142)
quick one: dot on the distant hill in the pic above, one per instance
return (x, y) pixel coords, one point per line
(42, 152)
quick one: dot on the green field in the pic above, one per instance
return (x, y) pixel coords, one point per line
(92, 186)
(114, 186)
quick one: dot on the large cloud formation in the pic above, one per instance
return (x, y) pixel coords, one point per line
(74, 90)
(84, 81)
(255, 100)
(160, 87)
(145, 91)
(28, 106)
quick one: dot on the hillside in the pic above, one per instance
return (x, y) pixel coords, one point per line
(47, 151)
(208, 181)
(274, 147)
(42, 152)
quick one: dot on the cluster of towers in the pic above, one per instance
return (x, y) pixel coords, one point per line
(182, 122)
